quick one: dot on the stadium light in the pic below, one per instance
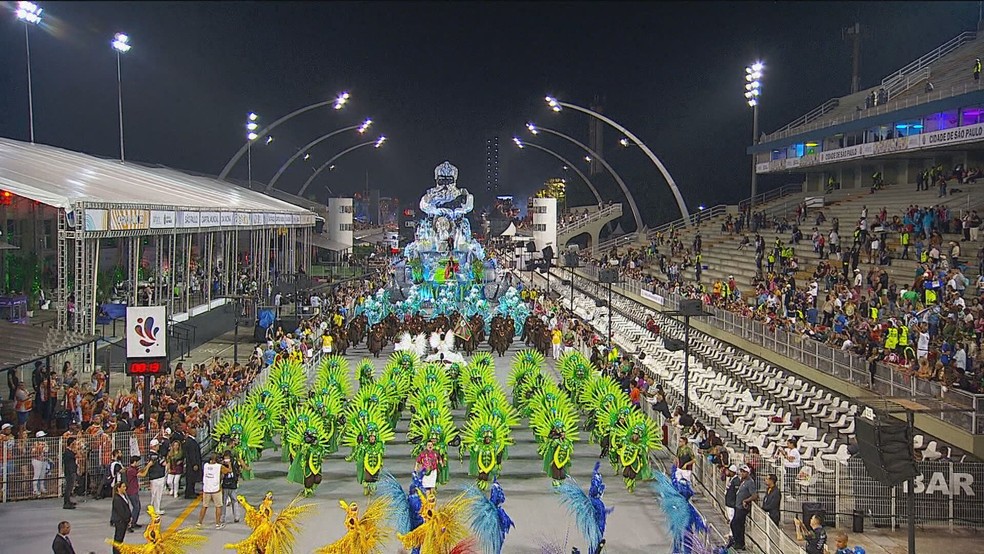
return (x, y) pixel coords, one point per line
(251, 135)
(380, 141)
(121, 43)
(365, 126)
(30, 14)
(532, 128)
(518, 142)
(587, 159)
(341, 100)
(306, 149)
(753, 93)
(330, 164)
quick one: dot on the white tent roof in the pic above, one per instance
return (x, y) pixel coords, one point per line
(510, 231)
(62, 178)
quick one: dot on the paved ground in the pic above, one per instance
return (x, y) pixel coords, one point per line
(634, 527)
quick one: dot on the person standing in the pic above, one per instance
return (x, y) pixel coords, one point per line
(977, 69)
(70, 467)
(230, 482)
(39, 464)
(175, 468)
(122, 515)
(685, 459)
(746, 490)
(23, 403)
(212, 473)
(556, 339)
(792, 462)
(61, 544)
(731, 493)
(192, 466)
(156, 474)
(772, 501)
(132, 479)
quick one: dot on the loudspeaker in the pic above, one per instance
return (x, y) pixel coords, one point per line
(608, 276)
(886, 449)
(531, 247)
(570, 259)
(691, 307)
(673, 345)
(548, 253)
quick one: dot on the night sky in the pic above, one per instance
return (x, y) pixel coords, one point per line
(440, 78)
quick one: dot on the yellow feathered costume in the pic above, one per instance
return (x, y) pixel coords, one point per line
(365, 535)
(162, 542)
(270, 536)
(443, 529)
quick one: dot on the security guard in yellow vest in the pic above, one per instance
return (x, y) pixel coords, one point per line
(903, 336)
(930, 297)
(904, 241)
(873, 312)
(924, 257)
(892, 338)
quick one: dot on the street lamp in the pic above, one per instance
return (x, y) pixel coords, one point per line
(30, 14)
(338, 102)
(753, 92)
(567, 165)
(121, 43)
(535, 129)
(557, 106)
(361, 128)
(251, 135)
(329, 165)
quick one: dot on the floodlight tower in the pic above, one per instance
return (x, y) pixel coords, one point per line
(30, 14)
(121, 43)
(753, 92)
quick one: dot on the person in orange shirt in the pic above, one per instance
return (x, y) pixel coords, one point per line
(73, 401)
(98, 383)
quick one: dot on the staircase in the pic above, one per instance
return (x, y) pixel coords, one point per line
(592, 224)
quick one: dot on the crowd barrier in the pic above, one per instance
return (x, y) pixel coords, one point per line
(946, 491)
(888, 380)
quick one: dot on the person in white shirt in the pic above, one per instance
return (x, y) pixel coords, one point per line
(960, 358)
(212, 473)
(858, 279)
(792, 461)
(922, 343)
(847, 345)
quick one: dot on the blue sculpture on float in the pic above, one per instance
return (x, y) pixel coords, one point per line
(444, 260)
(512, 305)
(375, 307)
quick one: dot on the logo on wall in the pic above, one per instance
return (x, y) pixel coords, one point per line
(146, 332)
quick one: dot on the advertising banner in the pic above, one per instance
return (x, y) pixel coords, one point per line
(160, 219)
(128, 219)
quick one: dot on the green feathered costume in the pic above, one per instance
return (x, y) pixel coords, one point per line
(638, 435)
(244, 437)
(307, 444)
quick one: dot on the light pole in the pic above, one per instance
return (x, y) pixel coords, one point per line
(557, 106)
(753, 90)
(30, 14)
(251, 135)
(337, 103)
(361, 128)
(523, 144)
(328, 165)
(535, 129)
(121, 43)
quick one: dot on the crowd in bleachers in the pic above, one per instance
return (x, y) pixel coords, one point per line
(930, 327)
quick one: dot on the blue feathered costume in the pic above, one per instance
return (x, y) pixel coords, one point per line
(589, 510)
(406, 504)
(489, 522)
(685, 523)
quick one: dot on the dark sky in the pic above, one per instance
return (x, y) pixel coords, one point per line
(440, 78)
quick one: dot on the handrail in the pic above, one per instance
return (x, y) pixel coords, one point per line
(888, 82)
(903, 84)
(603, 213)
(932, 55)
(890, 106)
(887, 381)
(761, 198)
(811, 115)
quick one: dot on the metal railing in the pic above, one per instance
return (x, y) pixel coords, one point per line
(809, 116)
(890, 106)
(906, 82)
(605, 214)
(930, 57)
(842, 365)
